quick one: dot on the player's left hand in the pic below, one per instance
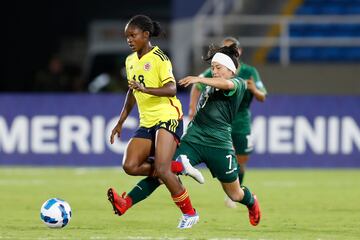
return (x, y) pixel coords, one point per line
(136, 86)
(188, 80)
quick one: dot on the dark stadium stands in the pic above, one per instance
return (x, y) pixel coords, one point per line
(331, 30)
(329, 7)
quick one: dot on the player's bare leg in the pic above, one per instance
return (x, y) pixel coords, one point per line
(135, 157)
(165, 147)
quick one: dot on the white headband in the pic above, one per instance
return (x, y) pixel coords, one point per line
(225, 60)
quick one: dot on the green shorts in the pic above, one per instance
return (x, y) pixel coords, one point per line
(221, 162)
(242, 143)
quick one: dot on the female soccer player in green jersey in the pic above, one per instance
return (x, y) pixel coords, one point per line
(208, 137)
(152, 86)
(241, 126)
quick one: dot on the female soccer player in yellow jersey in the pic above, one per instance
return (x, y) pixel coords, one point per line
(152, 86)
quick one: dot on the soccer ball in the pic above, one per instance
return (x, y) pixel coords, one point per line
(55, 213)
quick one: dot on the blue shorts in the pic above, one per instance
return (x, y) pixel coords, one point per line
(175, 127)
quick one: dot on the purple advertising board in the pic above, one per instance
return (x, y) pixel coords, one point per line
(73, 130)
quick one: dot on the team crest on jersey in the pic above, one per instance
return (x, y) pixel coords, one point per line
(147, 66)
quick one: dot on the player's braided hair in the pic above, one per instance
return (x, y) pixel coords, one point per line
(231, 51)
(146, 24)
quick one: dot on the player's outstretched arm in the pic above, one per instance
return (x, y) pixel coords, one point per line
(215, 82)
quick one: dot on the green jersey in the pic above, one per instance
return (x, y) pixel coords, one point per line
(216, 111)
(242, 121)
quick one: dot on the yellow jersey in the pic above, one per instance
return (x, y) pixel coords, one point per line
(153, 70)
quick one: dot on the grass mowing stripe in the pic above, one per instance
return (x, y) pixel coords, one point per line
(296, 204)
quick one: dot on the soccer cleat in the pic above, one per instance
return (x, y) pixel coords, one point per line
(254, 212)
(187, 221)
(230, 203)
(119, 203)
(189, 170)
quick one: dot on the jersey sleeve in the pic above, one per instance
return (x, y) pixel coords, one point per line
(258, 83)
(165, 71)
(240, 85)
(200, 86)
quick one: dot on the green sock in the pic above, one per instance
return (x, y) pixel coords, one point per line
(143, 189)
(248, 199)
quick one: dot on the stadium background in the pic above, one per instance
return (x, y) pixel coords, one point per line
(64, 62)
(62, 87)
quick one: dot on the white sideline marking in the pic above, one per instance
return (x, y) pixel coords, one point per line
(147, 238)
(127, 238)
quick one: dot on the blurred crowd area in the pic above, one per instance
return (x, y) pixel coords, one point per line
(59, 76)
(46, 44)
(65, 46)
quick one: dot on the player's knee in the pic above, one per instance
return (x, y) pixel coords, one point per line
(130, 168)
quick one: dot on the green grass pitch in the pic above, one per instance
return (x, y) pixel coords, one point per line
(296, 204)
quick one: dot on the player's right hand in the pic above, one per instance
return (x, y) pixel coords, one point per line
(116, 131)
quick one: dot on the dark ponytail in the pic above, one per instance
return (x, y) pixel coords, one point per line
(157, 29)
(146, 24)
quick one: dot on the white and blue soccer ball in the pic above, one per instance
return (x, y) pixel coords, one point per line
(55, 213)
